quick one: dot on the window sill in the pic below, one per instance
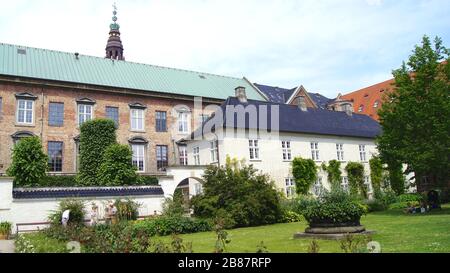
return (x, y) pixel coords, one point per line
(255, 160)
(137, 131)
(25, 125)
(287, 161)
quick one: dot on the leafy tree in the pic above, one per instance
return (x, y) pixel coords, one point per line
(355, 172)
(415, 116)
(305, 174)
(96, 136)
(29, 162)
(116, 168)
(239, 194)
(396, 178)
(376, 175)
(334, 173)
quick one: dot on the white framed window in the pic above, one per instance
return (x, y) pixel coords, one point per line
(318, 187)
(196, 154)
(214, 151)
(25, 111)
(376, 104)
(183, 122)
(253, 149)
(315, 153)
(362, 153)
(340, 152)
(344, 184)
(182, 150)
(137, 119)
(367, 184)
(85, 113)
(290, 187)
(139, 156)
(287, 153)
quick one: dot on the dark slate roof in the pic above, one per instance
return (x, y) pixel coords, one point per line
(320, 100)
(41, 193)
(276, 94)
(313, 121)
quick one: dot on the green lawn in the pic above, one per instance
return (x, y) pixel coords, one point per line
(396, 232)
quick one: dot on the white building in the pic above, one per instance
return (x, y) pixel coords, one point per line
(294, 131)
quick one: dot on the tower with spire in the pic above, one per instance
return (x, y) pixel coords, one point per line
(114, 47)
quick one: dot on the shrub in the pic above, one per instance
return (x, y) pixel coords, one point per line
(291, 217)
(96, 136)
(376, 175)
(238, 192)
(29, 162)
(335, 208)
(334, 173)
(58, 181)
(174, 206)
(355, 171)
(410, 197)
(38, 243)
(397, 180)
(164, 225)
(298, 204)
(374, 205)
(5, 228)
(305, 174)
(117, 169)
(76, 216)
(404, 205)
(127, 210)
(147, 181)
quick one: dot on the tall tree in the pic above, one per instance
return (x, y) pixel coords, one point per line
(415, 116)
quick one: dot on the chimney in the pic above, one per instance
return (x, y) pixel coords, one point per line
(240, 94)
(76, 55)
(302, 104)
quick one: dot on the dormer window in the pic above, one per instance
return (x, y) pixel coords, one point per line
(376, 104)
(361, 108)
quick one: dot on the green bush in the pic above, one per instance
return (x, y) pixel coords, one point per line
(5, 228)
(404, 205)
(95, 137)
(305, 174)
(58, 181)
(291, 217)
(127, 210)
(355, 172)
(76, 216)
(334, 208)
(163, 226)
(147, 180)
(238, 192)
(334, 173)
(29, 162)
(38, 243)
(374, 205)
(298, 204)
(410, 197)
(174, 206)
(117, 169)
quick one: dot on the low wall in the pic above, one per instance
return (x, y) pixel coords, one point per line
(20, 206)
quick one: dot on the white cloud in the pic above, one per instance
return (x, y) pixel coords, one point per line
(328, 46)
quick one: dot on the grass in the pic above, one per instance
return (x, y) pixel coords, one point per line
(395, 231)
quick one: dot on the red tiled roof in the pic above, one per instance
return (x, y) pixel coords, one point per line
(370, 99)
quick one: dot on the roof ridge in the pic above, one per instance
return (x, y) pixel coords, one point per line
(101, 58)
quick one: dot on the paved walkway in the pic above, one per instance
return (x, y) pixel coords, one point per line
(7, 246)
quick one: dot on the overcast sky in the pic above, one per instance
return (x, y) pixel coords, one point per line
(327, 46)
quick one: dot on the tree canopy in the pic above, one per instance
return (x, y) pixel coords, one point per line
(415, 116)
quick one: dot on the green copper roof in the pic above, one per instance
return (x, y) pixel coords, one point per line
(61, 66)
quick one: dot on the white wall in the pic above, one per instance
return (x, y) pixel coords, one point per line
(271, 156)
(37, 210)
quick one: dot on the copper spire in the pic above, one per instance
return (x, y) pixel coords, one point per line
(114, 47)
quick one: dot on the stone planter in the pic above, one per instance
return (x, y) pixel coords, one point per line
(329, 230)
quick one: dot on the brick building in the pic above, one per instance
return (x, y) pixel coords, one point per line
(49, 94)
